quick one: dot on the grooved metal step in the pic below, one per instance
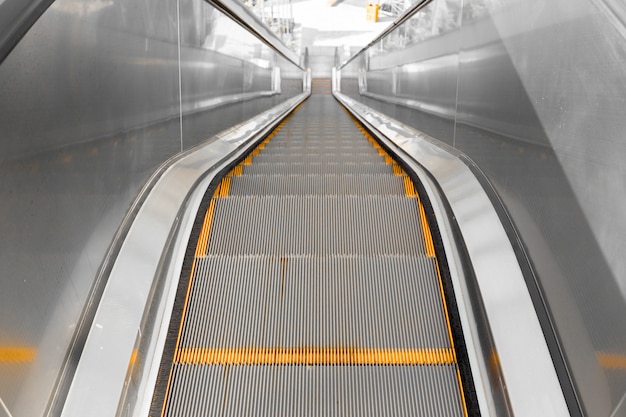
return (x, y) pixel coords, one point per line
(315, 290)
(329, 184)
(316, 301)
(208, 390)
(316, 225)
(317, 149)
(313, 158)
(320, 168)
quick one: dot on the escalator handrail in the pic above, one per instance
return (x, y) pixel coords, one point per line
(247, 19)
(406, 15)
(18, 16)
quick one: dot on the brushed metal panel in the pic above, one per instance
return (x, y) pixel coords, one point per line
(91, 106)
(221, 59)
(103, 370)
(556, 159)
(523, 356)
(88, 113)
(539, 107)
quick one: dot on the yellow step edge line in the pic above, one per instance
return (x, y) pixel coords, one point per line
(409, 188)
(17, 354)
(428, 239)
(225, 186)
(167, 392)
(315, 356)
(235, 171)
(203, 240)
(445, 306)
(201, 249)
(458, 377)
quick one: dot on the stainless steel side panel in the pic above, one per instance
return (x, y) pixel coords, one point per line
(537, 102)
(93, 100)
(108, 354)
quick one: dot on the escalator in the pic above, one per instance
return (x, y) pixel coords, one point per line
(313, 286)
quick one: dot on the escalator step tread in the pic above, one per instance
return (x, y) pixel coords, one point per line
(316, 185)
(314, 288)
(319, 225)
(316, 301)
(315, 391)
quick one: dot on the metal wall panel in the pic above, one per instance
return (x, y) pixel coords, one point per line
(538, 103)
(90, 105)
(223, 65)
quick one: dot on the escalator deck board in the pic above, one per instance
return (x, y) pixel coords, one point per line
(314, 289)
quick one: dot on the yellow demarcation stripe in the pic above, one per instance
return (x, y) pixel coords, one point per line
(203, 240)
(445, 305)
(225, 186)
(201, 250)
(611, 360)
(431, 249)
(458, 377)
(314, 356)
(237, 171)
(409, 187)
(398, 171)
(428, 238)
(17, 354)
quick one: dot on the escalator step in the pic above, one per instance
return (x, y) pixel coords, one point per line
(317, 185)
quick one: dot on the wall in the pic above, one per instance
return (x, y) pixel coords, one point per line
(95, 97)
(533, 92)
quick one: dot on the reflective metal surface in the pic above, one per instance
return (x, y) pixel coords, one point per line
(249, 19)
(523, 356)
(108, 352)
(533, 92)
(95, 97)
